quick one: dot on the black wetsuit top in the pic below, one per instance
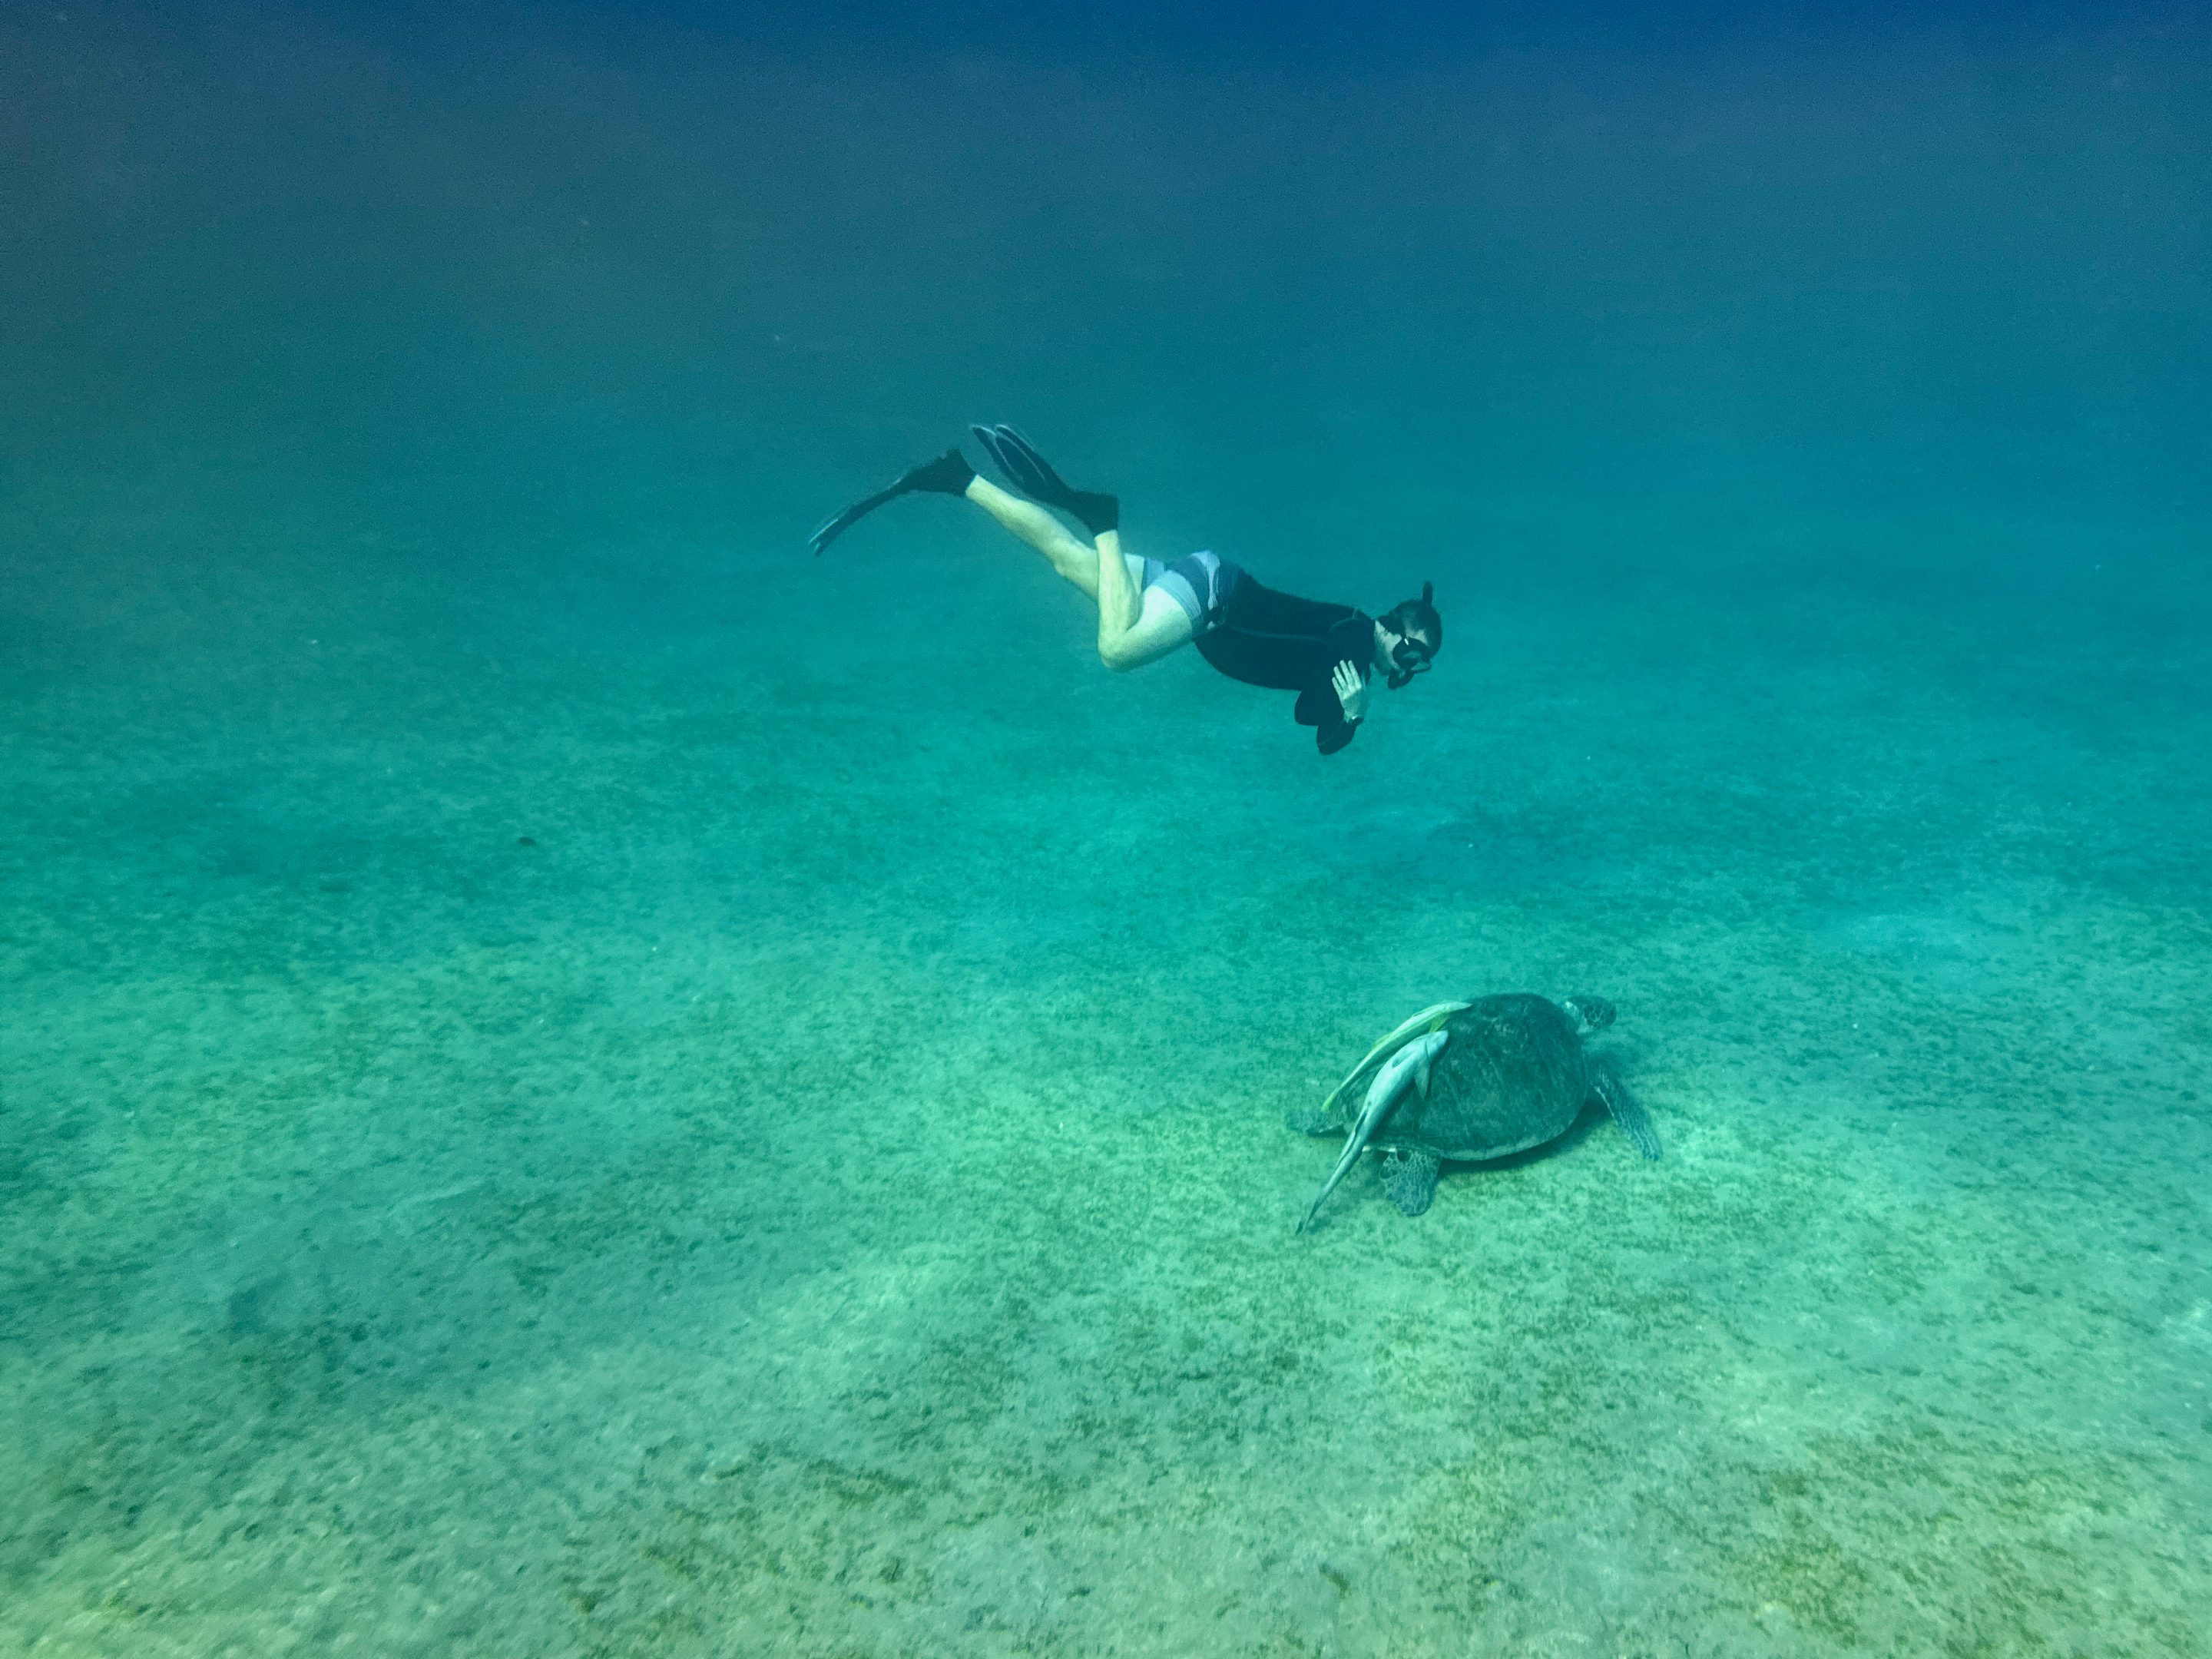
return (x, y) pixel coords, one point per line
(1289, 644)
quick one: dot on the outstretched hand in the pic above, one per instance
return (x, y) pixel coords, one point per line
(1351, 690)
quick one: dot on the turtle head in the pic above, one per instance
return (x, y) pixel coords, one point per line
(1591, 1013)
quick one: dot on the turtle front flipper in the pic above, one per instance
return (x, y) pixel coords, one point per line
(1627, 1111)
(1409, 1178)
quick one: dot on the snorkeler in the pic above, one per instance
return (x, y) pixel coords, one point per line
(1147, 608)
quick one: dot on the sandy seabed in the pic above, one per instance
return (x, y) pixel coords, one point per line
(542, 1116)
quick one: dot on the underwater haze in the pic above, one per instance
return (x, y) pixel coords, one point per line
(576, 1080)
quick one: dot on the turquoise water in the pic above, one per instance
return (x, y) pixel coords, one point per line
(576, 1081)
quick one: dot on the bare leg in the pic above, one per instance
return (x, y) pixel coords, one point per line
(1066, 555)
(1133, 627)
(1117, 599)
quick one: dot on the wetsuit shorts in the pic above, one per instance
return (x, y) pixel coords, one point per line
(1200, 582)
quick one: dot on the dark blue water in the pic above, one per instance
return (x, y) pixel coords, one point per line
(576, 1080)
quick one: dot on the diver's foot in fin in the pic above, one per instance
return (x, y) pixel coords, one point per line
(948, 475)
(1037, 477)
(1096, 511)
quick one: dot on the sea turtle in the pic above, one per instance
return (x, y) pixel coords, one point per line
(1466, 1081)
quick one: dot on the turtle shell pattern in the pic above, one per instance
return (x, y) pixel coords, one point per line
(1512, 1077)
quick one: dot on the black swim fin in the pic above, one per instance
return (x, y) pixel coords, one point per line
(948, 475)
(1035, 477)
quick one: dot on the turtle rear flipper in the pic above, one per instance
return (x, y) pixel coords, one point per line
(1627, 1111)
(1409, 1178)
(1407, 1069)
(1315, 1121)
